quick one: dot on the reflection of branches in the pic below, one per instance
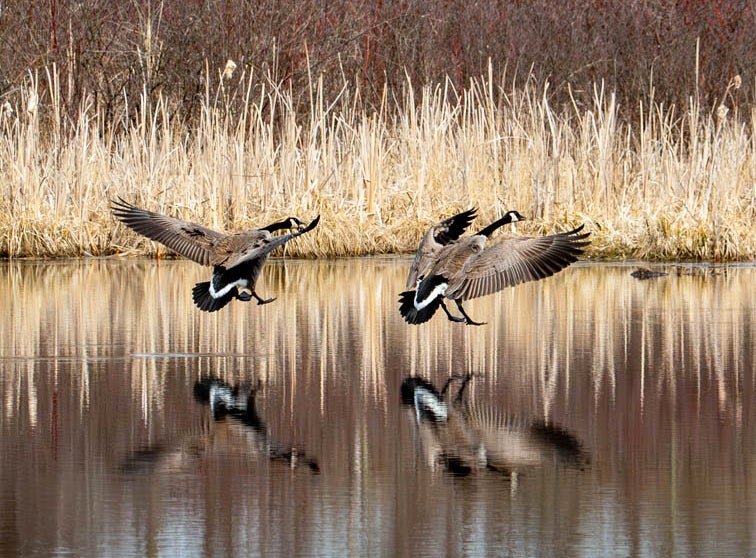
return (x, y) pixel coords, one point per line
(464, 437)
(224, 401)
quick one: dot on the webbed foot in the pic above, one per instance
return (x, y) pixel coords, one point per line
(263, 300)
(467, 319)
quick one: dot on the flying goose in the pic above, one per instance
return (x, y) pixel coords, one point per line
(236, 259)
(449, 265)
(465, 437)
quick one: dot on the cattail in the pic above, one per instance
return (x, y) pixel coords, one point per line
(6, 111)
(31, 104)
(228, 71)
(737, 82)
(722, 113)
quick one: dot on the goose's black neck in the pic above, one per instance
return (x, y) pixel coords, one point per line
(280, 225)
(509, 217)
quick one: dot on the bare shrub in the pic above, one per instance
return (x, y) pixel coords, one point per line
(117, 48)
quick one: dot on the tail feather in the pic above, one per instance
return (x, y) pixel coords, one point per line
(411, 314)
(205, 301)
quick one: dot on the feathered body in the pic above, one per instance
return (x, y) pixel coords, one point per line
(236, 258)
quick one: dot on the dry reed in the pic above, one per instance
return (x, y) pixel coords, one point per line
(677, 185)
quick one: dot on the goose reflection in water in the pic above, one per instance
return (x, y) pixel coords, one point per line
(464, 437)
(225, 400)
(238, 404)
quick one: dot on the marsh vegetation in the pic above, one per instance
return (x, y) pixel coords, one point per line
(657, 161)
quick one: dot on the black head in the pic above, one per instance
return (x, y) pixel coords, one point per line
(513, 216)
(291, 223)
(295, 224)
(410, 384)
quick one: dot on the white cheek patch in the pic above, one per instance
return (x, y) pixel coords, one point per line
(220, 293)
(439, 290)
(427, 402)
(219, 394)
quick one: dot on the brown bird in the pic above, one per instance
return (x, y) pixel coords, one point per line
(236, 259)
(450, 266)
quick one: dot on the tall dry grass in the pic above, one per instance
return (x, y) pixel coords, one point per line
(678, 185)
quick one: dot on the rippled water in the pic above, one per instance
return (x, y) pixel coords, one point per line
(605, 416)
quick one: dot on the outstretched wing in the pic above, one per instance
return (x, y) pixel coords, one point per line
(438, 236)
(517, 260)
(257, 247)
(188, 239)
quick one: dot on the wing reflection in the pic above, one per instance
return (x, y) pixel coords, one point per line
(236, 427)
(464, 437)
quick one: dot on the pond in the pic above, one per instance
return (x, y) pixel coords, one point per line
(602, 415)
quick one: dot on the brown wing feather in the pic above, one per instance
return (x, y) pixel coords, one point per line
(439, 235)
(188, 239)
(515, 261)
(425, 256)
(236, 248)
(455, 259)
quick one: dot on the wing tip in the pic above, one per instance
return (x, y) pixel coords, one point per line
(121, 208)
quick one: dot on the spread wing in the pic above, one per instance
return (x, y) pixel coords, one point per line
(438, 236)
(246, 247)
(517, 260)
(187, 239)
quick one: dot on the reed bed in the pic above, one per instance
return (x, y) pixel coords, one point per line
(676, 185)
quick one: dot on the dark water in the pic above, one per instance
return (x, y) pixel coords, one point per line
(607, 416)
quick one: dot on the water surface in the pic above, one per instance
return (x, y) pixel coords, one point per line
(109, 449)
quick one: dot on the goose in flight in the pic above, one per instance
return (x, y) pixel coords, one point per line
(236, 258)
(451, 266)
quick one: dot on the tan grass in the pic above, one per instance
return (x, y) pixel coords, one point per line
(680, 185)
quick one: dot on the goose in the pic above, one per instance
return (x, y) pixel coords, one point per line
(236, 259)
(450, 266)
(465, 437)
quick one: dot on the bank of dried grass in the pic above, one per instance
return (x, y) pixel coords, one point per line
(677, 185)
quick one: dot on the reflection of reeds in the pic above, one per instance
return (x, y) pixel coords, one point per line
(674, 186)
(587, 338)
(656, 377)
(584, 334)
